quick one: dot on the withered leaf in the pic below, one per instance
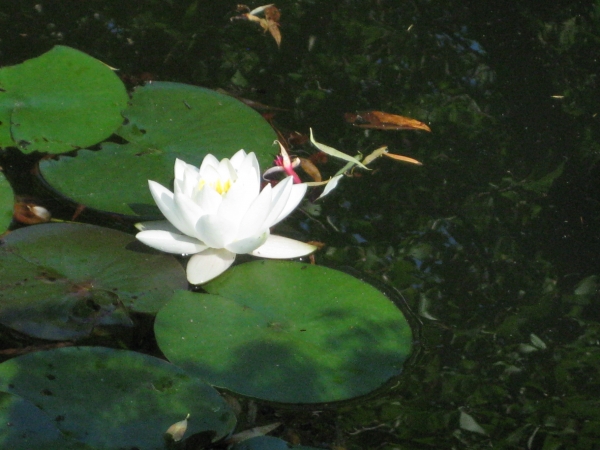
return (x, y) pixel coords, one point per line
(269, 23)
(272, 13)
(273, 28)
(384, 121)
(311, 170)
(25, 210)
(403, 158)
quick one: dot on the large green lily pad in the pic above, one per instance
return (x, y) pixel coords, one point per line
(60, 281)
(286, 332)
(268, 443)
(111, 399)
(164, 121)
(27, 427)
(7, 200)
(59, 101)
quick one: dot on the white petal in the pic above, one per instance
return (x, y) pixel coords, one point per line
(166, 203)
(170, 242)
(267, 175)
(189, 211)
(216, 231)
(209, 174)
(249, 173)
(226, 170)
(208, 199)
(250, 165)
(331, 185)
(279, 198)
(298, 191)
(211, 263)
(163, 225)
(236, 202)
(237, 159)
(252, 224)
(188, 184)
(281, 247)
(180, 167)
(209, 161)
(249, 244)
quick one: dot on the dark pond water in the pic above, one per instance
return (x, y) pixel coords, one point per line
(493, 243)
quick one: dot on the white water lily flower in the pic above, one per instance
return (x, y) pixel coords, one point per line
(218, 210)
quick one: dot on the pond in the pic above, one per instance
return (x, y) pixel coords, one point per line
(490, 248)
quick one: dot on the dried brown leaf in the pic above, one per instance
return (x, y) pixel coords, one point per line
(384, 121)
(310, 169)
(403, 158)
(273, 28)
(272, 13)
(268, 23)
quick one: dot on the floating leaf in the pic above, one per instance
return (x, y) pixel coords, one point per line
(111, 398)
(59, 101)
(384, 121)
(268, 443)
(7, 199)
(60, 281)
(165, 121)
(286, 332)
(26, 427)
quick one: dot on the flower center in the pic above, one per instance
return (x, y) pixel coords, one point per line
(219, 185)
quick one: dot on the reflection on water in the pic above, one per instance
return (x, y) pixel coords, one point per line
(493, 242)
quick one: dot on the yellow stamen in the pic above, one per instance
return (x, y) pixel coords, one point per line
(220, 186)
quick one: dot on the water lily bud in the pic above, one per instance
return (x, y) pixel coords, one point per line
(178, 429)
(30, 213)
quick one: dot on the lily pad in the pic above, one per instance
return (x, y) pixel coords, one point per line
(268, 443)
(286, 332)
(27, 427)
(111, 398)
(164, 121)
(60, 281)
(59, 101)
(7, 200)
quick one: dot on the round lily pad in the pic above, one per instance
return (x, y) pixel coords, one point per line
(286, 332)
(268, 443)
(164, 121)
(27, 427)
(60, 281)
(110, 399)
(7, 200)
(59, 101)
